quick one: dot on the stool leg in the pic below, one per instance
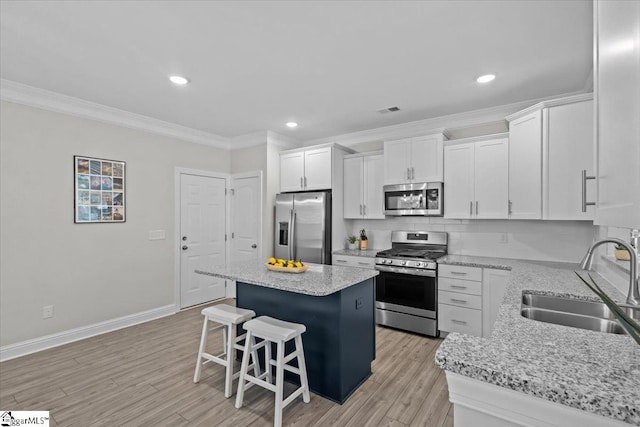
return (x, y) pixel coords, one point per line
(243, 370)
(267, 362)
(303, 370)
(279, 384)
(230, 359)
(203, 342)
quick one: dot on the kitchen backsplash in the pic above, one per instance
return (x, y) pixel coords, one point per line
(534, 240)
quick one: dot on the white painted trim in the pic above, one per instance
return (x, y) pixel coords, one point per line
(431, 125)
(249, 140)
(480, 404)
(178, 172)
(550, 103)
(52, 101)
(23, 348)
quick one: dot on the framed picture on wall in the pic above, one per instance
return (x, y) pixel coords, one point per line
(99, 194)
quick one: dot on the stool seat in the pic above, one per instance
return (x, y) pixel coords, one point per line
(274, 329)
(224, 313)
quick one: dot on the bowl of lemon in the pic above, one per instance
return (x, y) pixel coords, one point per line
(286, 266)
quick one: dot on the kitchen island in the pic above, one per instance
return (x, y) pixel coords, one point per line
(536, 373)
(336, 304)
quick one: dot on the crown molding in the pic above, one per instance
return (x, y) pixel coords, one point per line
(281, 141)
(551, 103)
(52, 101)
(248, 140)
(433, 125)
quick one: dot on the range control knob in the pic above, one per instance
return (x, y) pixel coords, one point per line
(404, 262)
(419, 264)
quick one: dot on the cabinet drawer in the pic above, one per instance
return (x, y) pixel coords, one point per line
(461, 300)
(460, 272)
(458, 319)
(457, 285)
(354, 261)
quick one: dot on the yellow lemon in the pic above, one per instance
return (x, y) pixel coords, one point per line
(298, 264)
(272, 260)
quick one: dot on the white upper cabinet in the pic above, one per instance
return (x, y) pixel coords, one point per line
(617, 91)
(363, 193)
(417, 159)
(476, 178)
(525, 166)
(306, 170)
(568, 144)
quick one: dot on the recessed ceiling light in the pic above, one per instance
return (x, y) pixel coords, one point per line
(292, 125)
(486, 78)
(179, 80)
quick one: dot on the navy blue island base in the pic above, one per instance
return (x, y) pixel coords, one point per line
(339, 344)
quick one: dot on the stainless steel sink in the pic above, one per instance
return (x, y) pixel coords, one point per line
(594, 316)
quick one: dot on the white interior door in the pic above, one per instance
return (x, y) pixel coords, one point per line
(202, 237)
(246, 217)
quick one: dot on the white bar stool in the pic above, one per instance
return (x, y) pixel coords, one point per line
(279, 332)
(228, 318)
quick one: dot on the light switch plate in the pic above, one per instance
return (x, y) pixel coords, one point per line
(157, 235)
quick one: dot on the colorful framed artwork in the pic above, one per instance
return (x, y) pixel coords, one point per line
(99, 194)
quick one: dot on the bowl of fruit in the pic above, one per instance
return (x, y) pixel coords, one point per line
(286, 266)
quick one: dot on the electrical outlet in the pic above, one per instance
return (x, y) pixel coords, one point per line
(504, 238)
(358, 303)
(47, 311)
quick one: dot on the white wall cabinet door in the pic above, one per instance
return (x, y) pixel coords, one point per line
(525, 166)
(426, 159)
(396, 167)
(292, 171)
(569, 146)
(491, 179)
(458, 180)
(353, 187)
(317, 169)
(617, 91)
(373, 199)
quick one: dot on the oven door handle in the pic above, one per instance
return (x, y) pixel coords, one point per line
(409, 271)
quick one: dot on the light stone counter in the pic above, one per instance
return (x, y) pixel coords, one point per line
(369, 253)
(591, 371)
(318, 280)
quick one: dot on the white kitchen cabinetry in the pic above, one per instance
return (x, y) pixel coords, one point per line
(617, 94)
(525, 166)
(354, 261)
(494, 286)
(550, 145)
(469, 298)
(306, 170)
(363, 193)
(417, 159)
(477, 178)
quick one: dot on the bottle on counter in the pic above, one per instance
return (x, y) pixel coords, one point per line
(364, 242)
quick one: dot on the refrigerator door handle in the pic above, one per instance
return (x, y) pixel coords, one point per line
(292, 236)
(290, 241)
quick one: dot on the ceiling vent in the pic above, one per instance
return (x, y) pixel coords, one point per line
(388, 110)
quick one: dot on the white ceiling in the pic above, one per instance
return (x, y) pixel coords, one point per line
(327, 65)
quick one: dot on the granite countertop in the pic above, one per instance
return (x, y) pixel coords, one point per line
(318, 280)
(591, 371)
(369, 253)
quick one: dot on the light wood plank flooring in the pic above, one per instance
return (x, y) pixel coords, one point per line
(143, 376)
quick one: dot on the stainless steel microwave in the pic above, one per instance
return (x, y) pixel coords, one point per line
(418, 199)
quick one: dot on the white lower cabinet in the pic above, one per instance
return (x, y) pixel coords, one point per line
(354, 261)
(469, 298)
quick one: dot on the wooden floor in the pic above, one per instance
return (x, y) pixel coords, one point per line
(143, 376)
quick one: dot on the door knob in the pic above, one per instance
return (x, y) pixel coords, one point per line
(184, 238)
(254, 246)
(185, 247)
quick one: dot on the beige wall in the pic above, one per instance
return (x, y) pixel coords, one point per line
(88, 272)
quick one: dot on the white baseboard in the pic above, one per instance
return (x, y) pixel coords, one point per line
(23, 348)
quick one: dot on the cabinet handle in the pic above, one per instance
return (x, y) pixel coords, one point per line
(460, 301)
(360, 209)
(341, 260)
(408, 174)
(510, 205)
(476, 208)
(305, 182)
(413, 173)
(363, 263)
(470, 208)
(458, 287)
(585, 177)
(364, 209)
(301, 183)
(458, 272)
(460, 322)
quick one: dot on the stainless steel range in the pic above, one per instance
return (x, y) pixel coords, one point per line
(407, 287)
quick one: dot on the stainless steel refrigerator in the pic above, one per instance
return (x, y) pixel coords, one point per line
(303, 227)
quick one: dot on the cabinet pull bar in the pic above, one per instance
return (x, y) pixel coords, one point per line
(360, 209)
(458, 272)
(460, 301)
(510, 204)
(305, 182)
(460, 322)
(364, 209)
(341, 260)
(458, 287)
(413, 173)
(476, 207)
(585, 177)
(470, 208)
(363, 263)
